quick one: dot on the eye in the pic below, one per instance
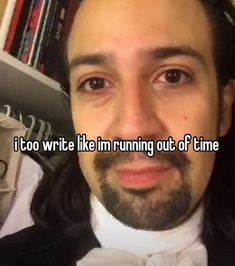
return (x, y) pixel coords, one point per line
(94, 84)
(175, 77)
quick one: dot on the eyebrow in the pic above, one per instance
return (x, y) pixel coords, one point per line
(160, 53)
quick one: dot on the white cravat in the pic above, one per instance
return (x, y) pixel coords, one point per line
(126, 246)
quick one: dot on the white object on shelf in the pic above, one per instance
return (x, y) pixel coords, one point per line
(29, 175)
(9, 128)
(34, 93)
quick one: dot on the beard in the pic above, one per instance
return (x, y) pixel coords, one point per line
(155, 208)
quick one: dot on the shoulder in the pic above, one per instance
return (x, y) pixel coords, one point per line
(225, 252)
(14, 247)
(222, 250)
(38, 247)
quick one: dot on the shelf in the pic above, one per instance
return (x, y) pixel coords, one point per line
(33, 93)
(4, 188)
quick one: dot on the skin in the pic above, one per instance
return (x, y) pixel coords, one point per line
(137, 100)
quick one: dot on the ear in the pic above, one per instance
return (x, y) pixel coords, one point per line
(226, 116)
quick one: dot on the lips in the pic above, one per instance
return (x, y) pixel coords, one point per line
(144, 178)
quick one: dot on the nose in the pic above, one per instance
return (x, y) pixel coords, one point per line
(137, 114)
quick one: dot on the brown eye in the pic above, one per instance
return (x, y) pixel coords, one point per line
(174, 77)
(96, 83)
(93, 84)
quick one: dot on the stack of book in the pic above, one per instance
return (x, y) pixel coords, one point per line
(35, 31)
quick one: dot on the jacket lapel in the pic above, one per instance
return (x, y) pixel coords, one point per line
(47, 248)
(37, 247)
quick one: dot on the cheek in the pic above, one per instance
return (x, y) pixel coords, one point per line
(202, 167)
(197, 117)
(86, 123)
(86, 161)
(198, 125)
(204, 124)
(88, 120)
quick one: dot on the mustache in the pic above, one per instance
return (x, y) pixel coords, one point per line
(105, 161)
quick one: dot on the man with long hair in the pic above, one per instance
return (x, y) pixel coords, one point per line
(155, 69)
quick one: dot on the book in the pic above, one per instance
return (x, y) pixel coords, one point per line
(21, 27)
(38, 31)
(33, 31)
(59, 69)
(43, 33)
(48, 36)
(14, 23)
(6, 21)
(20, 39)
(48, 61)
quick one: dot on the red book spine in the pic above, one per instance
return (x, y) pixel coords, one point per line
(33, 30)
(13, 26)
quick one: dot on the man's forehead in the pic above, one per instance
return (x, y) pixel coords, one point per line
(101, 23)
(139, 7)
(98, 11)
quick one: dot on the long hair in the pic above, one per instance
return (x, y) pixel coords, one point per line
(220, 194)
(61, 201)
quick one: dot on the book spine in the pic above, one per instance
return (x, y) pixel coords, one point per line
(14, 24)
(31, 30)
(59, 68)
(17, 40)
(49, 32)
(25, 31)
(42, 36)
(36, 21)
(6, 22)
(55, 39)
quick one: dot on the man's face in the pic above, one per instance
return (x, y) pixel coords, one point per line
(144, 68)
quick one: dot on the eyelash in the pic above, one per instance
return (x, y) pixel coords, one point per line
(183, 74)
(187, 79)
(83, 83)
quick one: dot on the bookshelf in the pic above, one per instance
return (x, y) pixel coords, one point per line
(33, 93)
(33, 32)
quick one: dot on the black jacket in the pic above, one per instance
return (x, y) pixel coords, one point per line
(36, 247)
